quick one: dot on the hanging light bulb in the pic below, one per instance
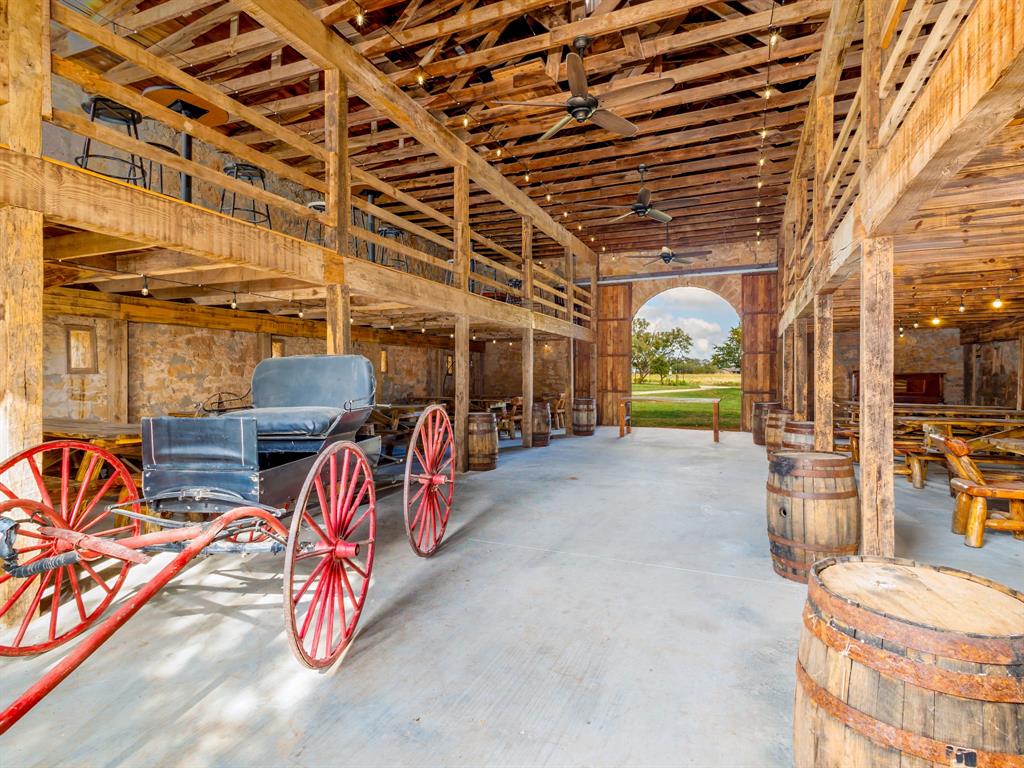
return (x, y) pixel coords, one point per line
(494, 341)
(421, 79)
(526, 176)
(767, 93)
(451, 335)
(961, 308)
(565, 214)
(916, 324)
(760, 160)
(758, 233)
(360, 18)
(757, 220)
(465, 121)
(774, 37)
(763, 133)
(602, 249)
(548, 197)
(423, 329)
(474, 337)
(499, 152)
(145, 286)
(392, 326)
(758, 204)
(901, 331)
(760, 183)
(234, 300)
(997, 302)
(579, 227)
(592, 238)
(936, 320)
(302, 312)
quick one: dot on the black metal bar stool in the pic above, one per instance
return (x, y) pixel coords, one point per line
(394, 259)
(155, 169)
(252, 212)
(131, 168)
(317, 227)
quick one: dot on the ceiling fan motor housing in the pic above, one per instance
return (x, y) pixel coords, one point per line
(581, 107)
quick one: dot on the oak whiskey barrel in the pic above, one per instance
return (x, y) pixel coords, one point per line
(812, 510)
(482, 441)
(905, 664)
(774, 423)
(759, 417)
(541, 424)
(584, 416)
(798, 436)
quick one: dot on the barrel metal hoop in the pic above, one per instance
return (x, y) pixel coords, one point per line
(846, 549)
(836, 474)
(890, 737)
(817, 495)
(779, 564)
(962, 646)
(989, 688)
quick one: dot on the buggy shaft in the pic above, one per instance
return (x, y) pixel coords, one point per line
(35, 693)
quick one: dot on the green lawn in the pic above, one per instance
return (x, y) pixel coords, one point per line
(688, 415)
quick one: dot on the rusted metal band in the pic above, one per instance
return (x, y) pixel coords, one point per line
(844, 473)
(780, 568)
(982, 649)
(845, 549)
(890, 737)
(819, 495)
(993, 688)
(803, 567)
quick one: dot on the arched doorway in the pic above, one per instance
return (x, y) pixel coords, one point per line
(752, 296)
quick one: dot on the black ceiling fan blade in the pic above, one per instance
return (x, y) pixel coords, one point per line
(556, 128)
(576, 74)
(612, 122)
(638, 92)
(643, 197)
(539, 104)
(652, 261)
(657, 215)
(617, 219)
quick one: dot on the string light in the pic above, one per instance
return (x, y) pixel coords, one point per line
(936, 320)
(392, 326)
(498, 153)
(526, 177)
(302, 312)
(548, 197)
(565, 214)
(916, 324)
(773, 38)
(234, 300)
(360, 19)
(962, 308)
(997, 302)
(421, 79)
(145, 286)
(465, 121)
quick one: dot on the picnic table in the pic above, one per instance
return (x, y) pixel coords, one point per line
(626, 415)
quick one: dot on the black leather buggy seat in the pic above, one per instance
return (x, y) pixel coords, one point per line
(309, 396)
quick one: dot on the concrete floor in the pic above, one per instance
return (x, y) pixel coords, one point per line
(597, 602)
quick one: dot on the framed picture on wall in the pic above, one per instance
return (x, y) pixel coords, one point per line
(81, 349)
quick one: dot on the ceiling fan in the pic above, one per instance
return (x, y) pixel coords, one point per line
(642, 206)
(668, 256)
(582, 106)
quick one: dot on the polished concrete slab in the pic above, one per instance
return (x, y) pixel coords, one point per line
(599, 602)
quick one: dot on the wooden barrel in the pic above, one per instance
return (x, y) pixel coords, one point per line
(908, 664)
(774, 423)
(759, 417)
(541, 424)
(798, 436)
(812, 510)
(482, 441)
(584, 416)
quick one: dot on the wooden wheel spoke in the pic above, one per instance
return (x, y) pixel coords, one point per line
(326, 603)
(97, 578)
(344, 619)
(309, 579)
(55, 602)
(347, 506)
(65, 472)
(351, 592)
(357, 502)
(103, 491)
(77, 592)
(314, 601)
(7, 491)
(44, 495)
(325, 509)
(316, 528)
(351, 561)
(30, 613)
(83, 487)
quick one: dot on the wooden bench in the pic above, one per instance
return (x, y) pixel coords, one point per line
(973, 489)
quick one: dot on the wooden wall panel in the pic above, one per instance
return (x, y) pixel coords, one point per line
(760, 321)
(615, 349)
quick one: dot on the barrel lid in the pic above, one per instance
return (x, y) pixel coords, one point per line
(938, 598)
(815, 456)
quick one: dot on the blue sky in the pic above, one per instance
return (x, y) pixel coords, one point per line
(706, 316)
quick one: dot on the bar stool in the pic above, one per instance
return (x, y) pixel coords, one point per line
(319, 206)
(252, 212)
(108, 111)
(155, 169)
(396, 260)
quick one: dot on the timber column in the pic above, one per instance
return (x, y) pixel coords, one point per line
(339, 204)
(461, 391)
(801, 395)
(527, 251)
(21, 233)
(823, 362)
(570, 307)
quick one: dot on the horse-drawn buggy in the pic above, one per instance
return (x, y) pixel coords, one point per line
(288, 476)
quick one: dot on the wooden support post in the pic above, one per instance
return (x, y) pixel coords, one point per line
(527, 425)
(823, 139)
(339, 320)
(878, 526)
(462, 236)
(800, 370)
(823, 351)
(339, 188)
(787, 367)
(595, 295)
(461, 390)
(1020, 374)
(570, 385)
(871, 76)
(527, 252)
(27, 52)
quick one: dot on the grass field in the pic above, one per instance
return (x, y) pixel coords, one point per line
(690, 380)
(688, 415)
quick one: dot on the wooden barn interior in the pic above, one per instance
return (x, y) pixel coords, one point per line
(291, 287)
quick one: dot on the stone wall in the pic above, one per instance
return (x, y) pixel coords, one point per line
(503, 368)
(170, 368)
(995, 368)
(925, 350)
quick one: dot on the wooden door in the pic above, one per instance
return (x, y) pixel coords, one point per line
(615, 349)
(760, 321)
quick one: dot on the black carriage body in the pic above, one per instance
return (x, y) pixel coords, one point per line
(262, 454)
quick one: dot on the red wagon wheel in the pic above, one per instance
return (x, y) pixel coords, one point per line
(429, 480)
(61, 484)
(329, 556)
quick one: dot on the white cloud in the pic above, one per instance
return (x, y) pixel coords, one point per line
(704, 315)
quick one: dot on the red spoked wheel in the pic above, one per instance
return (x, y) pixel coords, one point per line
(429, 480)
(329, 556)
(61, 484)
